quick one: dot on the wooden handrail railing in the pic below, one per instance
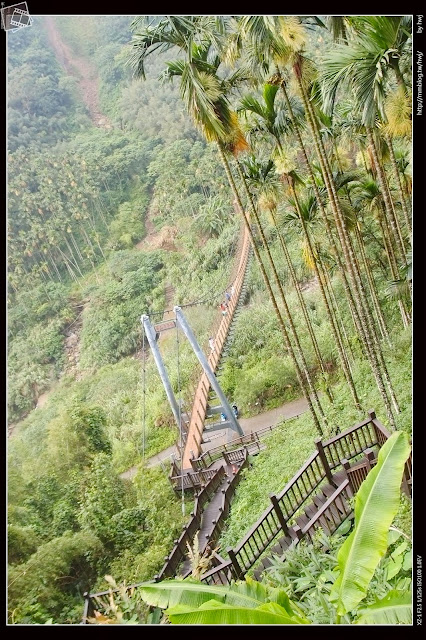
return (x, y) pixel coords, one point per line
(288, 503)
(328, 518)
(179, 550)
(193, 442)
(209, 456)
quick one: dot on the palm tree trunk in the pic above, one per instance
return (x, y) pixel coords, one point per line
(72, 257)
(68, 265)
(76, 247)
(52, 260)
(376, 306)
(281, 291)
(302, 303)
(365, 328)
(335, 310)
(370, 330)
(330, 235)
(392, 262)
(398, 179)
(332, 323)
(287, 343)
(372, 286)
(386, 197)
(375, 326)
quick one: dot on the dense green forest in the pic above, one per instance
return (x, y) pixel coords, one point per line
(133, 152)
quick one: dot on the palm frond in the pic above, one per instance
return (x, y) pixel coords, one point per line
(397, 109)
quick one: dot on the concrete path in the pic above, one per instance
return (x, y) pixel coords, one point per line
(266, 419)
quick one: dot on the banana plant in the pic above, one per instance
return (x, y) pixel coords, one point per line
(251, 602)
(243, 602)
(394, 608)
(376, 505)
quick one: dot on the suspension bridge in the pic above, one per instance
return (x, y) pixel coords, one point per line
(318, 496)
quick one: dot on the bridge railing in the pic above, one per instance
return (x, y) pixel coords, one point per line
(208, 457)
(364, 435)
(191, 480)
(288, 503)
(198, 412)
(330, 516)
(180, 549)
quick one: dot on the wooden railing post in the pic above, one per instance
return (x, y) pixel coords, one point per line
(321, 453)
(86, 597)
(234, 561)
(382, 434)
(298, 531)
(279, 513)
(370, 457)
(346, 466)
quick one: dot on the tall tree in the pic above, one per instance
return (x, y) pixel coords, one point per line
(205, 96)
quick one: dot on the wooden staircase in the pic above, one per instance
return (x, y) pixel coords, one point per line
(333, 515)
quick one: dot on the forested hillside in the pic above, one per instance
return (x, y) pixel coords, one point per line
(126, 196)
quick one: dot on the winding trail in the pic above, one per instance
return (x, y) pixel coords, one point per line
(82, 69)
(266, 419)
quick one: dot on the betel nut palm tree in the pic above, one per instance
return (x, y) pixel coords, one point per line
(205, 96)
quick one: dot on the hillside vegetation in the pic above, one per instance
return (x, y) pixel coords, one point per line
(105, 215)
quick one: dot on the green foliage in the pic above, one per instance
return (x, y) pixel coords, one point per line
(127, 227)
(102, 498)
(394, 608)
(111, 324)
(42, 108)
(21, 543)
(89, 424)
(46, 301)
(128, 529)
(248, 602)
(35, 356)
(376, 504)
(52, 579)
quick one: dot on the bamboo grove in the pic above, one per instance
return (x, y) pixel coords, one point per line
(324, 149)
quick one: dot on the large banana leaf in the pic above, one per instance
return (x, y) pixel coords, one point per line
(376, 504)
(394, 608)
(214, 612)
(191, 595)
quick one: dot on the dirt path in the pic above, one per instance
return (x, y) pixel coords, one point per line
(83, 70)
(266, 419)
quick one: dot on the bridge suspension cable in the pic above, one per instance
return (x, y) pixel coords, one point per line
(143, 393)
(180, 414)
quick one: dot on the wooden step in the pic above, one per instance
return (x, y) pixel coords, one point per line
(266, 562)
(328, 490)
(311, 510)
(302, 521)
(324, 523)
(257, 574)
(276, 549)
(292, 534)
(319, 499)
(285, 542)
(339, 477)
(338, 508)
